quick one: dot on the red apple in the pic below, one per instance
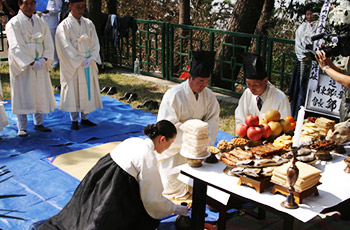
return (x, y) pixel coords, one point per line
(241, 130)
(254, 133)
(266, 130)
(252, 120)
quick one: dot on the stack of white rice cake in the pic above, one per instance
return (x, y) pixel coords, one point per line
(309, 176)
(325, 125)
(195, 139)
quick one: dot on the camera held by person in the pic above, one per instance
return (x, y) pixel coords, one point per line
(335, 44)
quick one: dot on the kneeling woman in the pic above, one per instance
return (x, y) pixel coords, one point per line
(123, 190)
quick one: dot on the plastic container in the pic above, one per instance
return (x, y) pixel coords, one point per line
(137, 66)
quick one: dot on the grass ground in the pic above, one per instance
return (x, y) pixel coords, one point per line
(146, 90)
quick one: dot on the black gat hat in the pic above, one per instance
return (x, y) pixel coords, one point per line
(254, 66)
(202, 64)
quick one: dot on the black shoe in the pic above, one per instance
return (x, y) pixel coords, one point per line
(42, 128)
(57, 88)
(132, 97)
(87, 122)
(126, 96)
(104, 90)
(22, 133)
(145, 103)
(153, 105)
(74, 125)
(112, 90)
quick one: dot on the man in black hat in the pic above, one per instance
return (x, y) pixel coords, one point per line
(261, 95)
(78, 50)
(188, 100)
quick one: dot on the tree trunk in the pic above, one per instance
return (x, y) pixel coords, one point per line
(112, 6)
(246, 14)
(264, 21)
(94, 14)
(184, 19)
(184, 12)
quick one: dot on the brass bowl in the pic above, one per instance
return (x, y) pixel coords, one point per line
(194, 163)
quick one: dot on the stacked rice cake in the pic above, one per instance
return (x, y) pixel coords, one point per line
(324, 124)
(310, 131)
(309, 176)
(195, 139)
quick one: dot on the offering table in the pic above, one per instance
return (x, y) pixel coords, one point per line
(334, 189)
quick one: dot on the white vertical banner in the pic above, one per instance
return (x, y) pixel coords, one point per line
(314, 72)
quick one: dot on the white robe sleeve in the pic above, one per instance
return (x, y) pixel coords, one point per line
(284, 108)
(67, 53)
(299, 42)
(242, 109)
(212, 117)
(95, 48)
(151, 189)
(141, 163)
(169, 109)
(49, 48)
(22, 58)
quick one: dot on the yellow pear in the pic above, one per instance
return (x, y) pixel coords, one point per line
(286, 125)
(276, 128)
(272, 115)
(262, 121)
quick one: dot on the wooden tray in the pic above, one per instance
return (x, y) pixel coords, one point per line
(259, 183)
(298, 196)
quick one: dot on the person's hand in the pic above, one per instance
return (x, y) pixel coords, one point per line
(181, 210)
(321, 58)
(39, 64)
(42, 61)
(87, 62)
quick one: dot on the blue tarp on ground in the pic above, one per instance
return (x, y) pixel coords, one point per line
(46, 188)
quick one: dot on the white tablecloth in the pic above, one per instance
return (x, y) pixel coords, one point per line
(334, 189)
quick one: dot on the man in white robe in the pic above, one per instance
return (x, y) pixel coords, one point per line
(51, 16)
(188, 100)
(30, 55)
(78, 49)
(261, 95)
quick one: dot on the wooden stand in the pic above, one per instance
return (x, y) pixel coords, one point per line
(259, 183)
(298, 196)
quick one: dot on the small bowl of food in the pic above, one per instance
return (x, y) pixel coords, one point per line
(195, 161)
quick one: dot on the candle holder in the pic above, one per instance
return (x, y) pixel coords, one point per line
(292, 176)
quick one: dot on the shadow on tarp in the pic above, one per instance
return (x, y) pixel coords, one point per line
(47, 189)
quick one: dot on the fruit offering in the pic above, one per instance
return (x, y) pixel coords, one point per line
(253, 129)
(278, 125)
(293, 123)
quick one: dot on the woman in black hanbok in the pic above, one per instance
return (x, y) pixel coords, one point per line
(123, 190)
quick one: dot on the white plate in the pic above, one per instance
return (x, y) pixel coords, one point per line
(194, 157)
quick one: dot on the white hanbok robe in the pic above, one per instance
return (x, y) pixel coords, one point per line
(137, 157)
(31, 91)
(52, 17)
(178, 105)
(303, 37)
(275, 99)
(80, 89)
